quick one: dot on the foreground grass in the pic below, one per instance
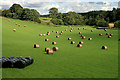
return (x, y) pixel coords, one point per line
(90, 61)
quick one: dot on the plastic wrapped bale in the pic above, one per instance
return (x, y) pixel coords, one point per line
(49, 51)
(46, 39)
(46, 49)
(104, 47)
(100, 34)
(6, 63)
(36, 46)
(20, 64)
(55, 48)
(81, 42)
(54, 43)
(69, 38)
(79, 45)
(30, 60)
(72, 42)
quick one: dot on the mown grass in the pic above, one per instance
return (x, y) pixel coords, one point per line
(90, 61)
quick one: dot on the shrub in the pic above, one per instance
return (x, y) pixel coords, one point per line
(117, 24)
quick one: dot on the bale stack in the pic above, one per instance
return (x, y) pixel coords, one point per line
(104, 47)
(111, 25)
(19, 62)
(36, 45)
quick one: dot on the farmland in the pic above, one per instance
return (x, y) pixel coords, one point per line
(70, 61)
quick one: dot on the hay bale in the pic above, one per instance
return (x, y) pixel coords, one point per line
(46, 49)
(79, 45)
(92, 30)
(44, 34)
(80, 32)
(105, 29)
(100, 34)
(46, 39)
(69, 38)
(48, 34)
(16, 23)
(57, 36)
(53, 31)
(70, 30)
(83, 37)
(89, 38)
(109, 36)
(72, 42)
(54, 43)
(107, 33)
(60, 33)
(36, 46)
(14, 30)
(80, 42)
(78, 28)
(49, 51)
(65, 29)
(57, 32)
(55, 48)
(40, 34)
(104, 47)
(19, 25)
(25, 25)
(111, 25)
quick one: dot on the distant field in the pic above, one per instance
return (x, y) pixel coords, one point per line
(69, 61)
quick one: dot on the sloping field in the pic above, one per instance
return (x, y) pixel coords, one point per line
(89, 61)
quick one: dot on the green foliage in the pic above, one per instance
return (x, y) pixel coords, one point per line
(0, 12)
(102, 23)
(57, 21)
(16, 11)
(53, 12)
(117, 24)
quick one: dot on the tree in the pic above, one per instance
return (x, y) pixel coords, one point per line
(102, 23)
(117, 24)
(57, 21)
(53, 12)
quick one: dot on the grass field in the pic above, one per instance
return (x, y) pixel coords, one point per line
(69, 61)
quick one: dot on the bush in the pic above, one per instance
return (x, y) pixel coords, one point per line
(117, 24)
(57, 21)
(102, 23)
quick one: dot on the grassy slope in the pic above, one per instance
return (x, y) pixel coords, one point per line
(86, 62)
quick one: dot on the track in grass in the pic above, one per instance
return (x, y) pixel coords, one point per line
(70, 61)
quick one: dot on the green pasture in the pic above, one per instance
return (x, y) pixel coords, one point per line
(69, 61)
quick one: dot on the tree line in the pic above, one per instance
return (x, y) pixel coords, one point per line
(92, 18)
(16, 11)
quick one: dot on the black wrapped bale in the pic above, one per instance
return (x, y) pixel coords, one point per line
(30, 59)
